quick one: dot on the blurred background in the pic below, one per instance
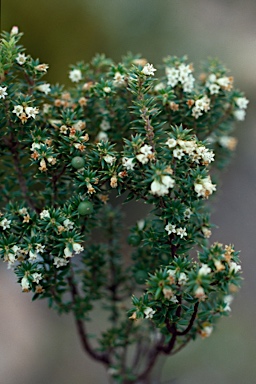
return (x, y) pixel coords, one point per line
(36, 345)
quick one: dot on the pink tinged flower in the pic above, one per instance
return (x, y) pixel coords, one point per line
(18, 110)
(128, 163)
(41, 67)
(170, 228)
(75, 75)
(3, 92)
(149, 312)
(45, 88)
(31, 112)
(200, 293)
(25, 284)
(21, 58)
(14, 30)
(148, 70)
(204, 270)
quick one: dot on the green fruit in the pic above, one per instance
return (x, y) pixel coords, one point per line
(77, 162)
(140, 276)
(85, 208)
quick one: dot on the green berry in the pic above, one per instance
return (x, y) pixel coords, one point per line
(140, 276)
(85, 208)
(77, 162)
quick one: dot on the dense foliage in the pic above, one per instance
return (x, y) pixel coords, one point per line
(66, 155)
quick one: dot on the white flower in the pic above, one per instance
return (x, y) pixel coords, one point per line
(104, 125)
(109, 159)
(172, 76)
(242, 102)
(196, 112)
(31, 111)
(206, 331)
(143, 159)
(159, 87)
(77, 248)
(149, 312)
(25, 284)
(141, 224)
(18, 110)
(36, 277)
(45, 88)
(5, 223)
(170, 228)
(148, 70)
(3, 92)
(102, 136)
(35, 146)
(59, 262)
(204, 187)
(44, 214)
(225, 82)
(119, 79)
(146, 149)
(40, 248)
(234, 267)
(204, 270)
(107, 89)
(162, 188)
(227, 301)
(171, 143)
(182, 278)
(32, 255)
(229, 142)
(187, 213)
(239, 114)
(67, 252)
(21, 58)
(128, 162)
(203, 104)
(174, 299)
(75, 75)
(178, 153)
(68, 224)
(214, 89)
(181, 232)
(189, 84)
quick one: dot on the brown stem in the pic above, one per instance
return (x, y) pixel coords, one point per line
(82, 330)
(190, 325)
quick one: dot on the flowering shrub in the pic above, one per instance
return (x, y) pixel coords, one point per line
(118, 130)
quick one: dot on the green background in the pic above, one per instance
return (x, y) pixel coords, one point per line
(37, 346)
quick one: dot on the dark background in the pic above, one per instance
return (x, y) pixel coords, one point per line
(37, 346)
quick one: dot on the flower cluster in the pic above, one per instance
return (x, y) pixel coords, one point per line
(70, 154)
